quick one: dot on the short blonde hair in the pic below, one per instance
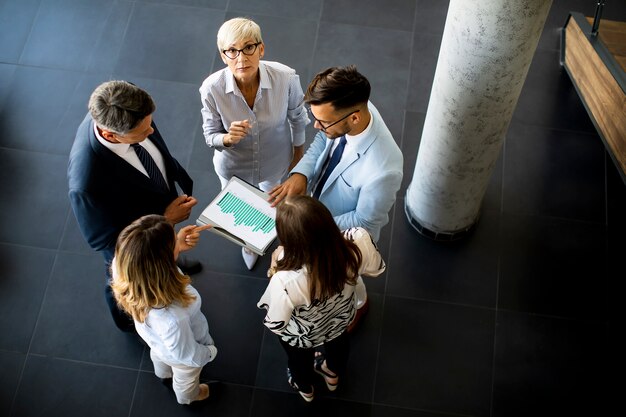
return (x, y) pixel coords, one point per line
(145, 275)
(237, 29)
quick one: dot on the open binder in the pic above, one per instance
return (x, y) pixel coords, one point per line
(242, 214)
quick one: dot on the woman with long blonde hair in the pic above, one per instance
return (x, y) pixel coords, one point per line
(165, 308)
(311, 298)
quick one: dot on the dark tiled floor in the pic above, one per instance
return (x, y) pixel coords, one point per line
(518, 319)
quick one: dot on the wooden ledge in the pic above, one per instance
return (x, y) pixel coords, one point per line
(596, 66)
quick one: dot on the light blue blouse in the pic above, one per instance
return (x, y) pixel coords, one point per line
(179, 335)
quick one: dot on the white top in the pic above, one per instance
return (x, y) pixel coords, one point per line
(306, 323)
(178, 335)
(128, 154)
(348, 150)
(279, 114)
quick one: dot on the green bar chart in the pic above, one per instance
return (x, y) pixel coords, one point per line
(242, 214)
(245, 214)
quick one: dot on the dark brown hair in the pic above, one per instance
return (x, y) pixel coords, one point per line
(311, 239)
(344, 88)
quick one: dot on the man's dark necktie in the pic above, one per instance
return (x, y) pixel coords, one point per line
(151, 167)
(334, 160)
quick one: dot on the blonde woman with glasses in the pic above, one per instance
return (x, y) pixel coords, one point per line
(252, 112)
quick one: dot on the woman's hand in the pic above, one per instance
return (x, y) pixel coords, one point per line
(188, 237)
(238, 130)
(277, 254)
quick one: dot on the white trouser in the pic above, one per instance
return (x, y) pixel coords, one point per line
(264, 185)
(185, 379)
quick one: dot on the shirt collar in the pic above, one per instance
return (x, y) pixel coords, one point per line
(350, 138)
(118, 148)
(264, 79)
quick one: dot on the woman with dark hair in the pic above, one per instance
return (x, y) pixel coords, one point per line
(311, 299)
(148, 285)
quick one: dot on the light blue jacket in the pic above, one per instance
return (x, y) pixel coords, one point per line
(362, 188)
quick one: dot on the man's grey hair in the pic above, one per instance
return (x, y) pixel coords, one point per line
(237, 29)
(119, 106)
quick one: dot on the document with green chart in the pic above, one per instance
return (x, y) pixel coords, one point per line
(242, 214)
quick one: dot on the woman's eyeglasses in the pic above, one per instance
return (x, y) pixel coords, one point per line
(233, 53)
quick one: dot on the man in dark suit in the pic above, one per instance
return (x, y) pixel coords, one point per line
(119, 170)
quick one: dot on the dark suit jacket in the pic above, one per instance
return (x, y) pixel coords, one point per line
(107, 193)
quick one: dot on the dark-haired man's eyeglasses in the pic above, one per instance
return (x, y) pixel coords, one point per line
(324, 128)
(233, 53)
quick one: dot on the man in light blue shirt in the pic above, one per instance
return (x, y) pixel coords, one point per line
(353, 166)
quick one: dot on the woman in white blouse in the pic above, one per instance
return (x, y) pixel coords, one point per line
(311, 298)
(252, 112)
(148, 285)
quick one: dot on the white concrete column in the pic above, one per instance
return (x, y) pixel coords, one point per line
(486, 50)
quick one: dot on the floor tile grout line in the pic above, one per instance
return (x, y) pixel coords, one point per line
(410, 65)
(89, 363)
(258, 366)
(498, 276)
(506, 213)
(502, 310)
(30, 32)
(123, 37)
(425, 410)
(495, 321)
(38, 152)
(32, 336)
(552, 128)
(132, 398)
(88, 61)
(48, 67)
(312, 72)
(384, 297)
(256, 375)
(65, 227)
(21, 245)
(252, 398)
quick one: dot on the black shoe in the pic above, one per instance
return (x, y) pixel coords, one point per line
(306, 396)
(167, 382)
(189, 266)
(214, 387)
(127, 326)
